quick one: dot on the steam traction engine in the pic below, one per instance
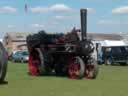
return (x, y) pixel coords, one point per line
(62, 54)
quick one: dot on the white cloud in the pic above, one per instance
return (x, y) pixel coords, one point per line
(90, 10)
(54, 8)
(39, 9)
(37, 25)
(7, 9)
(62, 17)
(120, 10)
(112, 22)
(60, 8)
(10, 26)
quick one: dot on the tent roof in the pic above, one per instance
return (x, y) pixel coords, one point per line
(108, 43)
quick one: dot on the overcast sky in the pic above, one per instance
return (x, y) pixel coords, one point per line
(104, 16)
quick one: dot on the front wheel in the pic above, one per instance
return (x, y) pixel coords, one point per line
(91, 69)
(37, 63)
(76, 68)
(33, 63)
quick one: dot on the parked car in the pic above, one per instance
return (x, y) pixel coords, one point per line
(3, 62)
(118, 54)
(20, 56)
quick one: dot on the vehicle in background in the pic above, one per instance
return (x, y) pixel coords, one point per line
(20, 56)
(10, 55)
(113, 52)
(115, 55)
(3, 62)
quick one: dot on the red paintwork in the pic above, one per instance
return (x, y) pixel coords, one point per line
(33, 66)
(73, 69)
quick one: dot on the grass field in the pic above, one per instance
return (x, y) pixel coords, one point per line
(111, 81)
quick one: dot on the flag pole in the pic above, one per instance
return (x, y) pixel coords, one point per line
(25, 11)
(26, 6)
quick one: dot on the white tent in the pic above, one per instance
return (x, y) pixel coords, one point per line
(108, 43)
(1, 40)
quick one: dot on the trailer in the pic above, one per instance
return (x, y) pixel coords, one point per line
(63, 54)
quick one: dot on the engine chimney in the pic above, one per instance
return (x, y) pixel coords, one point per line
(83, 13)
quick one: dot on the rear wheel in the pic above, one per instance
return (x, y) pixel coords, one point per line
(76, 68)
(91, 69)
(3, 63)
(37, 64)
(34, 62)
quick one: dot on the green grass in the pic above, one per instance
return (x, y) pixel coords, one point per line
(111, 81)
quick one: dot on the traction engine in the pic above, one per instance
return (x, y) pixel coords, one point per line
(62, 54)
